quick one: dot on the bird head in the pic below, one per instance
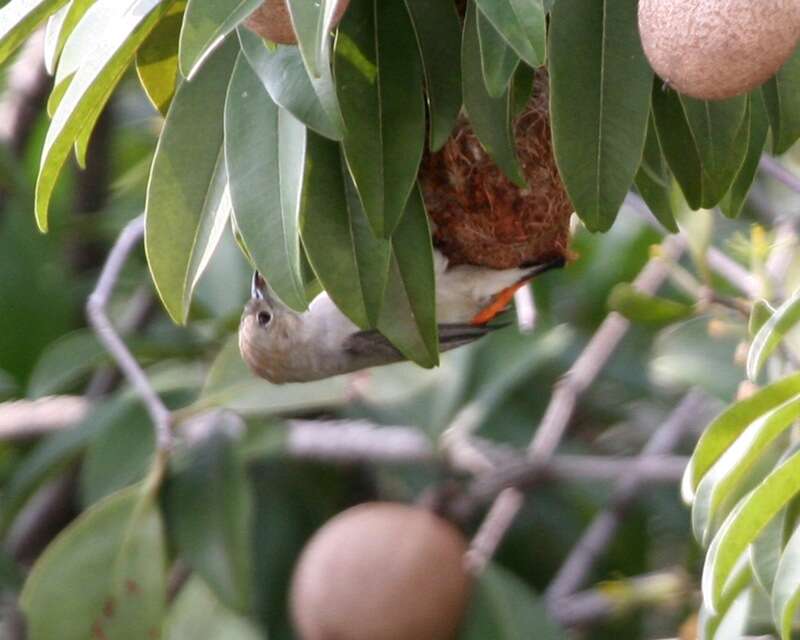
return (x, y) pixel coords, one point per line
(268, 334)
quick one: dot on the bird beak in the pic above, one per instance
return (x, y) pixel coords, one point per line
(257, 286)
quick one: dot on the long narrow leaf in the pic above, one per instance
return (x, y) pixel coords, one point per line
(88, 92)
(438, 32)
(772, 333)
(491, 118)
(281, 71)
(744, 524)
(205, 25)
(379, 82)
(264, 150)
(726, 428)
(187, 197)
(19, 18)
(600, 101)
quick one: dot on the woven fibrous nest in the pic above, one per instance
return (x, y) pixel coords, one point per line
(480, 217)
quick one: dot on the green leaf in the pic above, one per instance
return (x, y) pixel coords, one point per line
(103, 575)
(264, 152)
(521, 23)
(59, 27)
(677, 143)
(759, 314)
(733, 612)
(82, 40)
(731, 470)
(187, 197)
(504, 608)
(209, 509)
(231, 385)
(312, 25)
(744, 524)
(281, 71)
(599, 103)
(118, 456)
(492, 118)
(782, 97)
(438, 31)
(64, 362)
(157, 59)
(498, 59)
(772, 333)
(786, 587)
(19, 19)
(89, 90)
(765, 553)
(654, 180)
(198, 615)
(349, 261)
(379, 84)
(731, 205)
(53, 455)
(720, 130)
(645, 309)
(726, 428)
(205, 25)
(408, 314)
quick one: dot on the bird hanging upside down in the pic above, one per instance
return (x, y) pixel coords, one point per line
(491, 236)
(282, 345)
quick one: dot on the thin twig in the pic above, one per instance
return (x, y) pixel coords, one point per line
(562, 405)
(597, 537)
(525, 474)
(777, 171)
(96, 311)
(664, 589)
(23, 419)
(719, 263)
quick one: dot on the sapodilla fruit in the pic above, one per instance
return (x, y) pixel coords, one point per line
(381, 571)
(272, 21)
(717, 49)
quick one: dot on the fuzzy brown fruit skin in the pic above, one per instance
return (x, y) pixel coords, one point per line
(272, 21)
(381, 571)
(717, 49)
(482, 218)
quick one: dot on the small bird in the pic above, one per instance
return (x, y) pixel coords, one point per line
(282, 345)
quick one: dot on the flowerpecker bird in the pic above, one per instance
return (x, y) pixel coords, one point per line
(282, 345)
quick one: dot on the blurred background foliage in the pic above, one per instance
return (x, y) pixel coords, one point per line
(46, 349)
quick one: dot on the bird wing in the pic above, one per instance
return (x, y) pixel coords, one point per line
(373, 345)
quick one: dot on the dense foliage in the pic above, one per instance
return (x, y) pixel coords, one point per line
(309, 154)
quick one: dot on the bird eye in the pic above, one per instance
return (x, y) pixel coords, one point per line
(264, 318)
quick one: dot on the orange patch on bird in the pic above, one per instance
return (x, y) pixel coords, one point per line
(480, 216)
(498, 304)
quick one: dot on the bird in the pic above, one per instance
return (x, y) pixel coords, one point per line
(283, 345)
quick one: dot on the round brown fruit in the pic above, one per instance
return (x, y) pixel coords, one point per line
(271, 21)
(717, 49)
(381, 571)
(481, 217)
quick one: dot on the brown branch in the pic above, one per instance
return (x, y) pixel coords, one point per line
(98, 318)
(664, 589)
(599, 534)
(24, 419)
(563, 401)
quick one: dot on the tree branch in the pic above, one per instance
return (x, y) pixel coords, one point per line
(23, 419)
(98, 318)
(562, 404)
(599, 534)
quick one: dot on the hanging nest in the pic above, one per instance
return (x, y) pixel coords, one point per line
(482, 218)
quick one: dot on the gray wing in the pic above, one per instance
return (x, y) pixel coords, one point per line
(373, 348)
